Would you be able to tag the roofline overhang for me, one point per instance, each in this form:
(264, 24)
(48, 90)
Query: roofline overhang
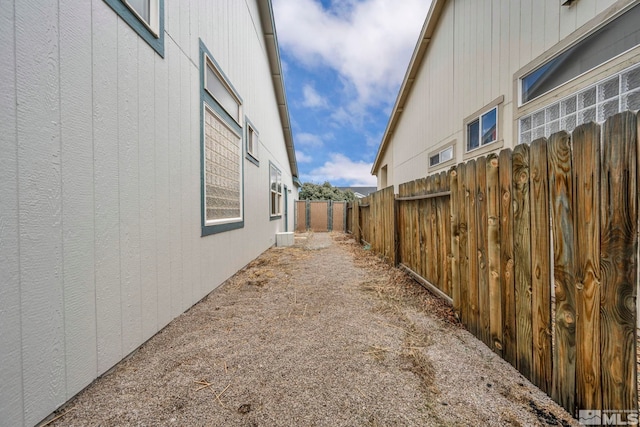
(273, 53)
(430, 24)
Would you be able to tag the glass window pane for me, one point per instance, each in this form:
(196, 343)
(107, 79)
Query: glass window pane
(434, 160)
(525, 124)
(489, 126)
(616, 37)
(221, 94)
(446, 154)
(537, 119)
(568, 123)
(552, 113)
(587, 98)
(607, 109)
(473, 135)
(568, 106)
(142, 8)
(608, 89)
(631, 80)
(631, 101)
(552, 127)
(525, 138)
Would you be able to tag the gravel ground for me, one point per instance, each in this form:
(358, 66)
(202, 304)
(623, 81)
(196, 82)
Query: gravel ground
(319, 334)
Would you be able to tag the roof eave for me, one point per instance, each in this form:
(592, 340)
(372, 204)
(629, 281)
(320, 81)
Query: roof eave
(414, 65)
(271, 43)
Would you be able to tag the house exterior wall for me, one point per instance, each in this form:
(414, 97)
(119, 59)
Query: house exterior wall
(479, 50)
(100, 181)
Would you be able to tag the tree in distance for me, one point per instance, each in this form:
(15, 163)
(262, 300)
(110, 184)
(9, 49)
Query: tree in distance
(325, 191)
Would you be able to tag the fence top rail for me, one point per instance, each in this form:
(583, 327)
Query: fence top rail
(365, 205)
(424, 196)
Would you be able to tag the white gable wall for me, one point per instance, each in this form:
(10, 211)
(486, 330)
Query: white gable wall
(100, 223)
(475, 56)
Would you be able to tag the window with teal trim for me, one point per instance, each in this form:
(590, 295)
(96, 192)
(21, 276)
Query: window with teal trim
(145, 17)
(275, 188)
(221, 150)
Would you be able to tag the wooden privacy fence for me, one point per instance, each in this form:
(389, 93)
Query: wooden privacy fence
(320, 215)
(539, 258)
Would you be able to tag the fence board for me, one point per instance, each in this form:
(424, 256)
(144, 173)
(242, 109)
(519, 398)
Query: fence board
(493, 254)
(586, 193)
(301, 215)
(463, 263)
(562, 214)
(541, 265)
(509, 344)
(522, 258)
(472, 249)
(338, 216)
(444, 232)
(481, 230)
(455, 241)
(618, 262)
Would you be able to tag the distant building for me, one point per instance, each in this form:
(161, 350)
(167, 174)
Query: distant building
(360, 192)
(487, 75)
(145, 157)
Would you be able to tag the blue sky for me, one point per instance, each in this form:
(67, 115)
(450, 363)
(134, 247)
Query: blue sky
(343, 61)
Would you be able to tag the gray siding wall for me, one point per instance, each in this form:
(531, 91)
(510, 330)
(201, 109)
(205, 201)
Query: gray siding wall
(473, 58)
(100, 241)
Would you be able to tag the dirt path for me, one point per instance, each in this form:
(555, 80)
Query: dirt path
(320, 334)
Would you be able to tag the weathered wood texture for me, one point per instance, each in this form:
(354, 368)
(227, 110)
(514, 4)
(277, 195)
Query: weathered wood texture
(618, 262)
(424, 230)
(509, 227)
(586, 202)
(301, 215)
(562, 215)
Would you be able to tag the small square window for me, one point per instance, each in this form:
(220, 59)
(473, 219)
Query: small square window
(275, 187)
(252, 142)
(441, 157)
(473, 135)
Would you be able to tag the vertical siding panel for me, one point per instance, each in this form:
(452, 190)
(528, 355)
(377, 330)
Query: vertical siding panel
(585, 10)
(186, 185)
(551, 24)
(162, 215)
(173, 60)
(128, 146)
(172, 21)
(497, 57)
(148, 207)
(567, 21)
(40, 207)
(107, 223)
(194, 217)
(514, 35)
(10, 355)
(503, 57)
(537, 33)
(77, 193)
(525, 32)
(184, 27)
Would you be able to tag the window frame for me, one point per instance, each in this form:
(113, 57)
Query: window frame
(491, 146)
(151, 32)
(208, 102)
(252, 154)
(277, 192)
(438, 152)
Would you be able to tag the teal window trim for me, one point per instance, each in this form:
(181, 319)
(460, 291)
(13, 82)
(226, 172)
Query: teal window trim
(156, 42)
(209, 101)
(278, 216)
(252, 157)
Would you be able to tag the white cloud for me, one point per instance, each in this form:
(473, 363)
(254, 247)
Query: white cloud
(308, 140)
(303, 158)
(341, 170)
(369, 43)
(312, 98)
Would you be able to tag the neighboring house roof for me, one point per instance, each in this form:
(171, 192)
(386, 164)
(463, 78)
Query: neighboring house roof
(419, 52)
(362, 191)
(273, 53)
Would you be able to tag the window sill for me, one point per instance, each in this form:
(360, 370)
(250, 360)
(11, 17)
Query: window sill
(252, 159)
(208, 230)
(275, 217)
(489, 148)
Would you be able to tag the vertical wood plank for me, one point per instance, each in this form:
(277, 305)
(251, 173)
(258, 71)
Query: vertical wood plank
(39, 188)
(540, 266)
(562, 214)
(455, 242)
(463, 226)
(483, 267)
(10, 355)
(444, 219)
(509, 337)
(77, 157)
(618, 262)
(129, 184)
(522, 259)
(472, 248)
(586, 193)
(493, 254)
